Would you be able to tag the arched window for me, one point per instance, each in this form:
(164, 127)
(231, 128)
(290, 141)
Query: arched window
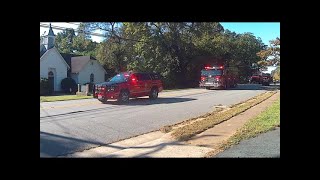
(91, 78)
(51, 81)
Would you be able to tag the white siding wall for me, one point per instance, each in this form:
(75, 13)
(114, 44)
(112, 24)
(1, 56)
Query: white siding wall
(75, 77)
(53, 60)
(96, 69)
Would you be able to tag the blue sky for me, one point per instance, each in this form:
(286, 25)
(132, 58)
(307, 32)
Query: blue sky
(266, 31)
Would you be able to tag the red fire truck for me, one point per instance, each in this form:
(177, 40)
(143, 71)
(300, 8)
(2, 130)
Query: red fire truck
(218, 77)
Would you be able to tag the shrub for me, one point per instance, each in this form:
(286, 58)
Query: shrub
(68, 83)
(44, 86)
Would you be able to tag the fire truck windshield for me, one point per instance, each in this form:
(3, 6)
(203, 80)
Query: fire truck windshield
(212, 72)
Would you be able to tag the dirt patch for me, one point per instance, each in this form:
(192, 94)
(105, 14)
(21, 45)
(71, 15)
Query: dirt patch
(166, 129)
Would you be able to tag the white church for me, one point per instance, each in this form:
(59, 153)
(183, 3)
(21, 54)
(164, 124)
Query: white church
(56, 66)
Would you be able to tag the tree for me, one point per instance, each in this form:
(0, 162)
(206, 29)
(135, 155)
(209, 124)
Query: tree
(112, 54)
(69, 42)
(276, 73)
(64, 40)
(172, 49)
(83, 46)
(245, 52)
(83, 30)
(271, 55)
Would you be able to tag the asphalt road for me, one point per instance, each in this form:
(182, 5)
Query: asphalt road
(266, 145)
(70, 126)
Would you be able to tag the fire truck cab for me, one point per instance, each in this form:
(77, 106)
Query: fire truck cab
(218, 77)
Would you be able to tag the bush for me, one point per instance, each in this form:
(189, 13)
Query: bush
(44, 86)
(68, 83)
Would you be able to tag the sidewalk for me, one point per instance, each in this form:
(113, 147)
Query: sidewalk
(266, 145)
(162, 145)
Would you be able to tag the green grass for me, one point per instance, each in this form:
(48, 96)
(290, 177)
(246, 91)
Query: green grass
(266, 121)
(62, 98)
(187, 131)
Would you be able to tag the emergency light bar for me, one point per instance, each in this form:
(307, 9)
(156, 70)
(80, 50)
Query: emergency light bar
(213, 67)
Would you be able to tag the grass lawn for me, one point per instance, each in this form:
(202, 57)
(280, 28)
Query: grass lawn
(266, 121)
(187, 131)
(62, 98)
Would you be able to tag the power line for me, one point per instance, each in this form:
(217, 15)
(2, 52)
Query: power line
(64, 28)
(73, 23)
(88, 33)
(80, 23)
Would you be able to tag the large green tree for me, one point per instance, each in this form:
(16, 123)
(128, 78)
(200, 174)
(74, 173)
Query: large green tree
(177, 50)
(245, 52)
(68, 42)
(64, 40)
(271, 55)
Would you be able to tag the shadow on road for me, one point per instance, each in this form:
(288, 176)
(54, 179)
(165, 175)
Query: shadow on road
(133, 102)
(52, 145)
(147, 101)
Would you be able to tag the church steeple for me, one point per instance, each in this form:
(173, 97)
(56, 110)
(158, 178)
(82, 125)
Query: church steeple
(49, 39)
(50, 31)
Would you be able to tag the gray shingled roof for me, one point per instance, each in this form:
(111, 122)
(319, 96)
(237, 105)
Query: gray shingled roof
(78, 63)
(42, 49)
(67, 57)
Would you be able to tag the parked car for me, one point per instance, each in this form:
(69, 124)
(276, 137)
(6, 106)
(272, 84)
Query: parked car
(129, 85)
(255, 79)
(266, 79)
(261, 78)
